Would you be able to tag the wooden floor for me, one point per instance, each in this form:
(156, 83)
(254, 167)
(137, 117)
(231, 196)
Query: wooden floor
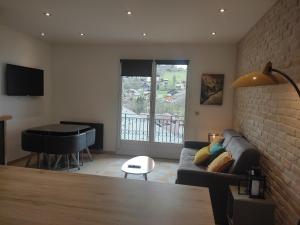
(108, 164)
(41, 197)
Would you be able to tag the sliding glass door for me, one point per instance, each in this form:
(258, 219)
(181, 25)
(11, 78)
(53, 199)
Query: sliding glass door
(153, 95)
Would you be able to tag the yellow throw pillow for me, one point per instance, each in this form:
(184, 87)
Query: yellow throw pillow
(221, 163)
(201, 155)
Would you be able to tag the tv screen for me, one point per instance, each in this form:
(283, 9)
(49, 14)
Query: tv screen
(21, 81)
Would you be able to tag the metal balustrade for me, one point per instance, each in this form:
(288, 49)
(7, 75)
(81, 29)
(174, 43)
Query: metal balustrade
(167, 129)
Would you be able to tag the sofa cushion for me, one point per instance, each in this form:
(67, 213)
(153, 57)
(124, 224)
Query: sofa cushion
(228, 134)
(244, 154)
(195, 144)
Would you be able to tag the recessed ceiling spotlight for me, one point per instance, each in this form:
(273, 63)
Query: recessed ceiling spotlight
(128, 12)
(213, 33)
(82, 34)
(144, 34)
(43, 34)
(47, 14)
(222, 10)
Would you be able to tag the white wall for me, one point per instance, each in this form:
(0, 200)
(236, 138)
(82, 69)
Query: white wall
(20, 49)
(86, 84)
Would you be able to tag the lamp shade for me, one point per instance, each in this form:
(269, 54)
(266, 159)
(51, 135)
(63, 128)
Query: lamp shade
(258, 79)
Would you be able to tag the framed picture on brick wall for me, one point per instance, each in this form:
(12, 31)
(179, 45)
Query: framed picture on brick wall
(212, 88)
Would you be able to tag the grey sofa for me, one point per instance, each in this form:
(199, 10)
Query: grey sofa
(245, 156)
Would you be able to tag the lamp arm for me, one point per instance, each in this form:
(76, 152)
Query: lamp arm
(289, 79)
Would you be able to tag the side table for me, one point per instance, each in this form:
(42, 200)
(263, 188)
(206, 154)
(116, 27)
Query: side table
(242, 210)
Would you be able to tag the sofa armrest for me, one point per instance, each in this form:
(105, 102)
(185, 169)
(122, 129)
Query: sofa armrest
(195, 144)
(220, 179)
(207, 179)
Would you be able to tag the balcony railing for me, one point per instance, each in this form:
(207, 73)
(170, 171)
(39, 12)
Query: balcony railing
(167, 129)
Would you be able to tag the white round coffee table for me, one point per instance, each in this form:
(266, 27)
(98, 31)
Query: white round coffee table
(140, 165)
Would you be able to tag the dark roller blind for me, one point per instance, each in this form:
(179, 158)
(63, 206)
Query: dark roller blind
(172, 62)
(136, 67)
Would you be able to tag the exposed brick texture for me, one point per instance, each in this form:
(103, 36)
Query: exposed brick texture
(269, 116)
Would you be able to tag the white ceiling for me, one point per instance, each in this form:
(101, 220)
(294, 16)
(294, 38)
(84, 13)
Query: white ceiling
(105, 21)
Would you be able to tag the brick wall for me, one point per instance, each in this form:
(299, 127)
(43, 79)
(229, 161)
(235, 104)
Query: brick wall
(270, 116)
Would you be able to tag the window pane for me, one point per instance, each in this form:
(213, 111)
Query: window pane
(170, 103)
(135, 108)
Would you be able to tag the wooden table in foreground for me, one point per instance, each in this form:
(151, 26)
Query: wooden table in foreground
(40, 197)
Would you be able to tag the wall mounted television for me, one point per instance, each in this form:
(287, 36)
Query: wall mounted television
(23, 81)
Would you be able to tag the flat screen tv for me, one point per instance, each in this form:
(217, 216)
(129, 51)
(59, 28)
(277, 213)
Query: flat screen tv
(22, 81)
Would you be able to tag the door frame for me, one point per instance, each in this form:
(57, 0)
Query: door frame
(150, 147)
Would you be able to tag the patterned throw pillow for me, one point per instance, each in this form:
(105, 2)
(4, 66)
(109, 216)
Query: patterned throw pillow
(221, 163)
(215, 148)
